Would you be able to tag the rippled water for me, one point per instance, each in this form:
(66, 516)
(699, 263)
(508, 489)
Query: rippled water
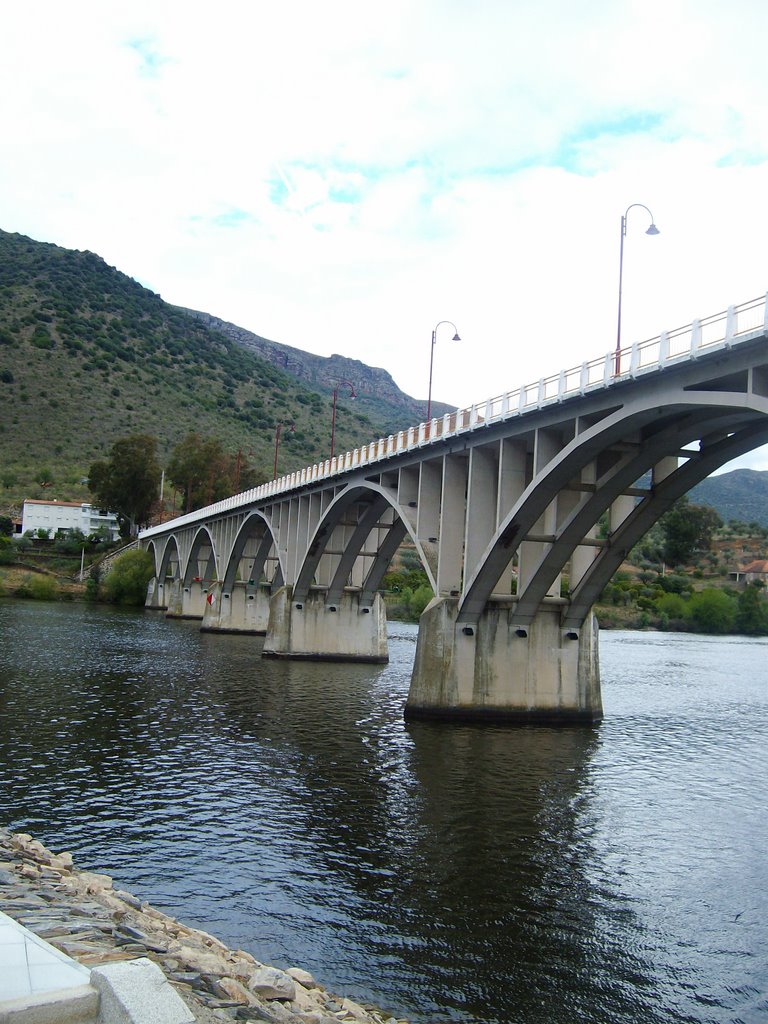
(606, 875)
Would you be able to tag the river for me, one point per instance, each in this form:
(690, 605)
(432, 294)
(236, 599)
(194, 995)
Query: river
(607, 875)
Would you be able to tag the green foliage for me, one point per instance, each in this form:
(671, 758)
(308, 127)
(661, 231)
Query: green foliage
(38, 588)
(712, 611)
(686, 529)
(7, 551)
(6, 526)
(128, 483)
(751, 613)
(203, 472)
(118, 361)
(673, 606)
(127, 582)
(419, 599)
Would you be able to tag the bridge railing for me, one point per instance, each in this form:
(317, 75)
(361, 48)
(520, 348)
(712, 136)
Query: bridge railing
(718, 331)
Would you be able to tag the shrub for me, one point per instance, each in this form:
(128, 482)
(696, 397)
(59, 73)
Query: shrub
(419, 600)
(712, 611)
(672, 605)
(39, 588)
(127, 582)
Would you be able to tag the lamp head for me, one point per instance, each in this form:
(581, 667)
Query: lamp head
(456, 337)
(652, 230)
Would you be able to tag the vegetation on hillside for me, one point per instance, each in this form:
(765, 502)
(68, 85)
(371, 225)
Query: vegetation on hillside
(87, 355)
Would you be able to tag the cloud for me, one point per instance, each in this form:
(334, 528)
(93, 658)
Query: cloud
(341, 179)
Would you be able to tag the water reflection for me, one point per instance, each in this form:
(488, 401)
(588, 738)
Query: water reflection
(471, 873)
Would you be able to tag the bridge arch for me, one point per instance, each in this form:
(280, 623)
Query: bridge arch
(202, 559)
(649, 434)
(374, 504)
(254, 545)
(170, 560)
(651, 508)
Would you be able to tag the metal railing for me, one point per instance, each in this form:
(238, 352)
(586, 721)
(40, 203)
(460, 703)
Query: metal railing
(719, 331)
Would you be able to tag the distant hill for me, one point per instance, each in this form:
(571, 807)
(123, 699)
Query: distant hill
(741, 495)
(384, 402)
(88, 355)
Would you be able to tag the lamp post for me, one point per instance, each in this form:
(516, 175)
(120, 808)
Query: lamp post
(278, 431)
(339, 384)
(432, 359)
(652, 230)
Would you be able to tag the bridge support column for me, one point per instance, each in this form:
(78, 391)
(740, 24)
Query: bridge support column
(497, 671)
(237, 609)
(156, 598)
(173, 595)
(316, 631)
(186, 600)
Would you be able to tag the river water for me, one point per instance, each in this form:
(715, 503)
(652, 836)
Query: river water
(448, 873)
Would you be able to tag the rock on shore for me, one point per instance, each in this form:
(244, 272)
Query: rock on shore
(83, 915)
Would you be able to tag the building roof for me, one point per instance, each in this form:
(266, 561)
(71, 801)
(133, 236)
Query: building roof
(53, 501)
(759, 565)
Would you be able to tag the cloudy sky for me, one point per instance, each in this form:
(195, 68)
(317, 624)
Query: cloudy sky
(341, 176)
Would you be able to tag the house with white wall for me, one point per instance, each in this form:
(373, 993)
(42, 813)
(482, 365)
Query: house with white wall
(66, 516)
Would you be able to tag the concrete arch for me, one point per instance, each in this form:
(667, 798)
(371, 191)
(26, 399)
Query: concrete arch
(258, 528)
(152, 550)
(376, 501)
(202, 560)
(665, 427)
(651, 508)
(171, 557)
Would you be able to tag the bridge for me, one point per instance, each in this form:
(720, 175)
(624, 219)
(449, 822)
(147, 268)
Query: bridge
(503, 502)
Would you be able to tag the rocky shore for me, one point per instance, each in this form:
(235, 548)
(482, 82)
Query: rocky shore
(85, 916)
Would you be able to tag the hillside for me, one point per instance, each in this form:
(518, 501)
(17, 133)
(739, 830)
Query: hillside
(384, 402)
(741, 495)
(88, 355)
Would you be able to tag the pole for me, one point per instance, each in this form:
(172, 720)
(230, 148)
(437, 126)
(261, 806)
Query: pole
(651, 230)
(333, 420)
(431, 361)
(617, 357)
(277, 443)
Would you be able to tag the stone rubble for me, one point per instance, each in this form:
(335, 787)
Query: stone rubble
(83, 915)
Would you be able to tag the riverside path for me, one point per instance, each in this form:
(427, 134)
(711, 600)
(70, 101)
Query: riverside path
(502, 501)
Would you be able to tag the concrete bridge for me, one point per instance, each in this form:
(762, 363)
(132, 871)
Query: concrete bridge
(502, 501)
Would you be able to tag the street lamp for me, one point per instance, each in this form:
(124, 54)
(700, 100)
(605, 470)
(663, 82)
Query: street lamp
(278, 431)
(339, 384)
(652, 230)
(432, 358)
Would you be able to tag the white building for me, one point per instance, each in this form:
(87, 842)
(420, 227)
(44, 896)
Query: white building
(66, 516)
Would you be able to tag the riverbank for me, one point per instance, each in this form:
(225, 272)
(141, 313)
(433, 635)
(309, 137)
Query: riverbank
(85, 916)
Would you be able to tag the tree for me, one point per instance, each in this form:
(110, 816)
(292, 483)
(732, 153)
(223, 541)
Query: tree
(751, 614)
(129, 481)
(712, 611)
(686, 529)
(127, 581)
(203, 472)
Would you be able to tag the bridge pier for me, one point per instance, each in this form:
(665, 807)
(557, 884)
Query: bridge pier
(186, 600)
(242, 608)
(315, 630)
(496, 670)
(156, 598)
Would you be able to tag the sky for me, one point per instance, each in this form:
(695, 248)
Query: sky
(344, 176)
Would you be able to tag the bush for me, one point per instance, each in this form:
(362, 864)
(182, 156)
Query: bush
(712, 611)
(7, 551)
(128, 580)
(672, 605)
(39, 588)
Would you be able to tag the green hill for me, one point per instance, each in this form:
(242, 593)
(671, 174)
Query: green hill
(87, 355)
(740, 495)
